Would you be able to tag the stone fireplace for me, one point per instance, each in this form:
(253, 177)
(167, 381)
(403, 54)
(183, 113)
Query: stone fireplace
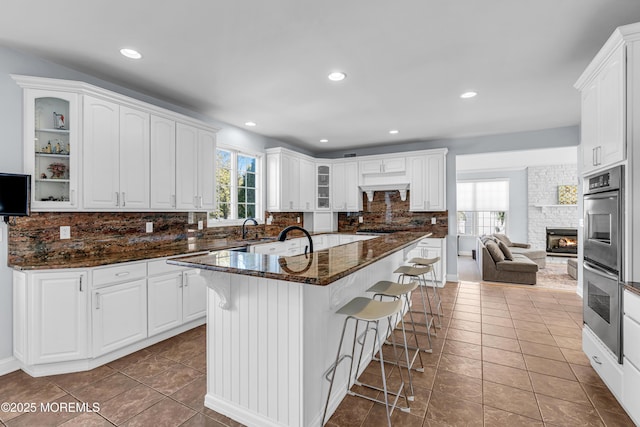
(562, 241)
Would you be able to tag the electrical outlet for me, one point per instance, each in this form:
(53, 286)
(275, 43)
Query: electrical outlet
(360, 219)
(65, 232)
(433, 220)
(298, 220)
(200, 225)
(149, 227)
(269, 219)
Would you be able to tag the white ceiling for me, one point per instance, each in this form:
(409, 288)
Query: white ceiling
(267, 61)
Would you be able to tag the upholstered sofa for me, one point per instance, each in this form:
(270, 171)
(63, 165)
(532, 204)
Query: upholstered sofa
(498, 264)
(539, 256)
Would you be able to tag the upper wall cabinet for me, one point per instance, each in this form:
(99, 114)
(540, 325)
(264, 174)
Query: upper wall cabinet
(603, 92)
(346, 194)
(127, 159)
(51, 149)
(290, 181)
(195, 170)
(323, 186)
(389, 165)
(116, 156)
(163, 163)
(427, 189)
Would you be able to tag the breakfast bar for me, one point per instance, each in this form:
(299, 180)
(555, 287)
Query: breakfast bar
(272, 330)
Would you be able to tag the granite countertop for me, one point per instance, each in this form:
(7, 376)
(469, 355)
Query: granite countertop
(158, 251)
(633, 287)
(320, 268)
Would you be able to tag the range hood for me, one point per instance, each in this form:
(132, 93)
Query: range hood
(401, 187)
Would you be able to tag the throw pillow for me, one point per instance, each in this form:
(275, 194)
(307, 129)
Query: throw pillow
(503, 238)
(494, 251)
(505, 250)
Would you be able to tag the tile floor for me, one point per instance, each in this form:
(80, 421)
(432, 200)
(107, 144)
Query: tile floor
(506, 356)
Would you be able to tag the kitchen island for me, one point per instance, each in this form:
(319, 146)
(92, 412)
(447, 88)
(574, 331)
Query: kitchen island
(272, 331)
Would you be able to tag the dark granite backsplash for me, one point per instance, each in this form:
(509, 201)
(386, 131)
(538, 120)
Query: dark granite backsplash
(105, 236)
(387, 212)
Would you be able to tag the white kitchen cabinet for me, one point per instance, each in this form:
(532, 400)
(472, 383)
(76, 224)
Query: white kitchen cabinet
(50, 316)
(163, 163)
(387, 165)
(51, 150)
(603, 91)
(116, 156)
(175, 298)
(323, 186)
(101, 157)
(631, 390)
(119, 315)
(603, 361)
(195, 168)
(307, 185)
(134, 158)
(631, 349)
(290, 181)
(428, 182)
(194, 295)
(164, 295)
(346, 194)
(433, 248)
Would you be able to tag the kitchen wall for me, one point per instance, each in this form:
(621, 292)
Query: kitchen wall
(99, 238)
(11, 145)
(387, 212)
(548, 138)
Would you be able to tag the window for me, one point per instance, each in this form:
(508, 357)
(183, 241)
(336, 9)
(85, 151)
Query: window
(483, 207)
(237, 186)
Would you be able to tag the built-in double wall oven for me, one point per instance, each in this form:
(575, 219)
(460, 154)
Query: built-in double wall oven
(603, 250)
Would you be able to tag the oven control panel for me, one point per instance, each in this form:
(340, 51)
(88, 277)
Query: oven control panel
(604, 181)
(599, 181)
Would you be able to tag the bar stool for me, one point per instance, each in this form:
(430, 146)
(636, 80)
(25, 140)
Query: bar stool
(370, 311)
(399, 291)
(430, 262)
(419, 274)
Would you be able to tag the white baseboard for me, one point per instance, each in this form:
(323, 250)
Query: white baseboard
(9, 364)
(452, 278)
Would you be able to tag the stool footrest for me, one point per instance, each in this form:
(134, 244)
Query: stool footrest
(335, 366)
(393, 405)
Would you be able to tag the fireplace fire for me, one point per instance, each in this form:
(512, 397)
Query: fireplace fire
(562, 241)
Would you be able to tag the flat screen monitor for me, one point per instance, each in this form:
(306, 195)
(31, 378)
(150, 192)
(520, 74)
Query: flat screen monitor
(14, 194)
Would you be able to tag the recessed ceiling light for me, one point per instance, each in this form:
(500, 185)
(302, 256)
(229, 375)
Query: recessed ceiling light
(469, 94)
(131, 53)
(324, 140)
(336, 76)
(250, 124)
(394, 131)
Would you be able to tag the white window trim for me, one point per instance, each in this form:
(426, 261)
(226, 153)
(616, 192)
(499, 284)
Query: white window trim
(260, 191)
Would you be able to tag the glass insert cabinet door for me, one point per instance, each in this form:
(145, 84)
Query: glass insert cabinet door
(51, 121)
(323, 185)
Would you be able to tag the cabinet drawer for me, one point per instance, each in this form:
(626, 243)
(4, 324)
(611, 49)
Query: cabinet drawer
(160, 266)
(603, 361)
(631, 340)
(631, 304)
(119, 273)
(631, 390)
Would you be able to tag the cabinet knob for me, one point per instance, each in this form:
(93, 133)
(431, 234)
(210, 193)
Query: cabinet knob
(117, 199)
(173, 200)
(124, 200)
(97, 300)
